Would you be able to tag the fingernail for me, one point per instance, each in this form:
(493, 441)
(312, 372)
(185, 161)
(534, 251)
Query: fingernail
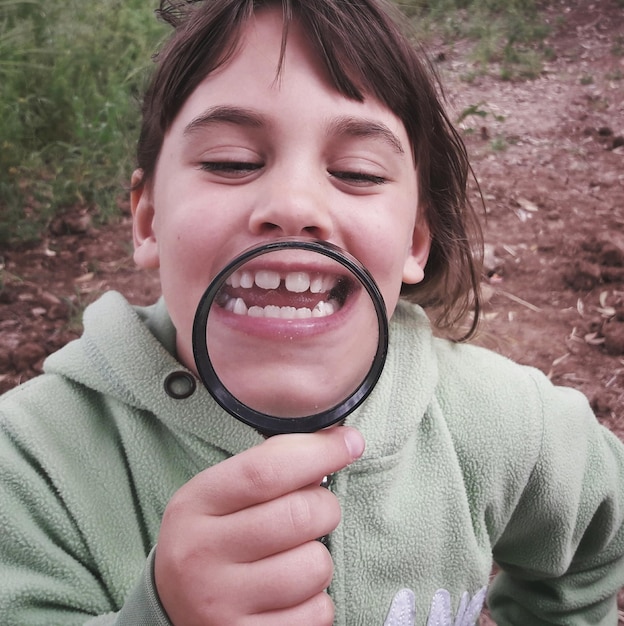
(354, 441)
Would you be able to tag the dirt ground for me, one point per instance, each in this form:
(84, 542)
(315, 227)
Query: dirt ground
(549, 157)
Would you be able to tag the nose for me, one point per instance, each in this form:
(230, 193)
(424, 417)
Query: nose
(294, 208)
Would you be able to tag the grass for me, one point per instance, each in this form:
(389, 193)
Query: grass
(506, 33)
(72, 72)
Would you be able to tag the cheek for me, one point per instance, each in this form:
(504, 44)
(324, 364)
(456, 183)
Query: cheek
(185, 265)
(383, 254)
(187, 240)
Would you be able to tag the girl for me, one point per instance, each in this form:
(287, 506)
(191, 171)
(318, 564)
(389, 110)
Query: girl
(129, 497)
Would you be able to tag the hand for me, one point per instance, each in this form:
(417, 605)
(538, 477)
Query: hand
(237, 543)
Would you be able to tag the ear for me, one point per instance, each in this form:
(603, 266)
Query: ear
(143, 235)
(417, 254)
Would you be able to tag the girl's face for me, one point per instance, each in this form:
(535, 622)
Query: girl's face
(252, 157)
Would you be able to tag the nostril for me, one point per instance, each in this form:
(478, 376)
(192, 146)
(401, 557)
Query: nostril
(291, 219)
(312, 230)
(270, 227)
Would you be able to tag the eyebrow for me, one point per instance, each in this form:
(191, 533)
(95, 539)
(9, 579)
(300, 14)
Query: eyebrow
(342, 126)
(225, 115)
(356, 127)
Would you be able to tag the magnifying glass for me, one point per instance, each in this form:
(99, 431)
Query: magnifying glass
(291, 336)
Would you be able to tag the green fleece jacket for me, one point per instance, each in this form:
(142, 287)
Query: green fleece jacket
(470, 459)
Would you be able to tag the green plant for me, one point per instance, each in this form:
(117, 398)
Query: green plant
(479, 109)
(507, 33)
(499, 144)
(71, 72)
(76, 305)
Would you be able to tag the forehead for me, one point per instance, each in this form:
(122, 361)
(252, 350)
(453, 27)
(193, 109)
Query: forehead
(265, 80)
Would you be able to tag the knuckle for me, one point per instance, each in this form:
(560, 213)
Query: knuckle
(260, 477)
(325, 510)
(299, 512)
(332, 507)
(323, 609)
(319, 564)
(328, 565)
(176, 506)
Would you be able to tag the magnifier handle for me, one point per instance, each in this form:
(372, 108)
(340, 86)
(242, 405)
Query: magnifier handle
(326, 482)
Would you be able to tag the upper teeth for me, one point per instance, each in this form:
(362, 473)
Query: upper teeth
(296, 282)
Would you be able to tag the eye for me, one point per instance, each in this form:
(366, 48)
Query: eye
(231, 169)
(358, 178)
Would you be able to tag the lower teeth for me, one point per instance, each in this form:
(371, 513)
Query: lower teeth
(238, 307)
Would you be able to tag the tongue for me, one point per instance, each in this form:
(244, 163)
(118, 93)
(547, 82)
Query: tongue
(280, 297)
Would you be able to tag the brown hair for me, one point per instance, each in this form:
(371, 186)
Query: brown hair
(366, 52)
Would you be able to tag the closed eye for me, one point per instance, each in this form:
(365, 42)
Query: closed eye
(358, 178)
(231, 169)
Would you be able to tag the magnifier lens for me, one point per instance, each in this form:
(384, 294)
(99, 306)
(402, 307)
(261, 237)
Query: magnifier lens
(291, 336)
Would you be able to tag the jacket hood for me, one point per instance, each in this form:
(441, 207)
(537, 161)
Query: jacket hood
(127, 354)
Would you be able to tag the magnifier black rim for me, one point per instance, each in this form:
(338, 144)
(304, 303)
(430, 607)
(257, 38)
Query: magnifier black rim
(270, 424)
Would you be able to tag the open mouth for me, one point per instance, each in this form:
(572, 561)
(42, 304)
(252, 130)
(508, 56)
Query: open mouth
(291, 295)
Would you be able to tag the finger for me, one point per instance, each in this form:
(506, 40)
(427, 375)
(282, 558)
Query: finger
(278, 525)
(280, 465)
(318, 610)
(284, 580)
(279, 582)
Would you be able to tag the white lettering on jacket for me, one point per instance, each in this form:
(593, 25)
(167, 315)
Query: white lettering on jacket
(403, 609)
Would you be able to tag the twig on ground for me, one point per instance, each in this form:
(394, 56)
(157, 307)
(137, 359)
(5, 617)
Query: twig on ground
(518, 300)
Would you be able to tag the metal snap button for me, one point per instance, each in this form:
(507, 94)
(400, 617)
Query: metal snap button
(180, 385)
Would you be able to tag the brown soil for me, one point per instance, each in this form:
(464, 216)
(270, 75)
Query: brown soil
(549, 156)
